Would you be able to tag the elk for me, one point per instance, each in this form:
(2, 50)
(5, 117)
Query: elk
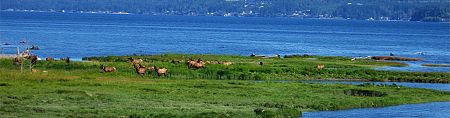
(17, 60)
(108, 68)
(140, 69)
(49, 59)
(320, 66)
(226, 63)
(26, 54)
(33, 70)
(33, 59)
(152, 68)
(162, 71)
(135, 61)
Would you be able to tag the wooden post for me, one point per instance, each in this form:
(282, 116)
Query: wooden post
(31, 62)
(21, 59)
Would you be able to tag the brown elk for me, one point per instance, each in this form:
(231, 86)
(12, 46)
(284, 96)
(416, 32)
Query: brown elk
(196, 64)
(320, 66)
(141, 70)
(162, 71)
(33, 70)
(49, 59)
(33, 59)
(152, 68)
(226, 63)
(26, 54)
(135, 61)
(108, 68)
(17, 61)
(190, 63)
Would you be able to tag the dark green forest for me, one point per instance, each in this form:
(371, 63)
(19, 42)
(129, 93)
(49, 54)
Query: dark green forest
(414, 10)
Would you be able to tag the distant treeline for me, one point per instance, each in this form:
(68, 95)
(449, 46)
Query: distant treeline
(414, 10)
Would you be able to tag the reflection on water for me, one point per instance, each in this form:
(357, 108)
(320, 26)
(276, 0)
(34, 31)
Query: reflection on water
(427, 110)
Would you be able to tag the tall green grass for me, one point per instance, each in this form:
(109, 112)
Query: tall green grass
(81, 89)
(293, 68)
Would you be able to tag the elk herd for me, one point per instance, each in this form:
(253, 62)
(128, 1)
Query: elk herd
(137, 64)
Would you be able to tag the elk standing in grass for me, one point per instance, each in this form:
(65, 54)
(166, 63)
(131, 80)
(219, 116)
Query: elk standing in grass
(320, 66)
(17, 60)
(33, 59)
(49, 59)
(108, 69)
(135, 61)
(151, 69)
(141, 70)
(162, 71)
(226, 63)
(33, 70)
(196, 64)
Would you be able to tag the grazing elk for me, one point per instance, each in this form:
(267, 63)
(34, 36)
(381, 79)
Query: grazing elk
(226, 63)
(135, 61)
(33, 70)
(108, 69)
(320, 66)
(17, 60)
(162, 71)
(33, 59)
(141, 70)
(151, 69)
(49, 59)
(25, 54)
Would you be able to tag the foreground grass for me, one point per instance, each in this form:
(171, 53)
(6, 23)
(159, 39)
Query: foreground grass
(112, 97)
(80, 89)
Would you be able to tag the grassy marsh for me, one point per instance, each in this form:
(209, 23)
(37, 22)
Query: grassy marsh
(81, 89)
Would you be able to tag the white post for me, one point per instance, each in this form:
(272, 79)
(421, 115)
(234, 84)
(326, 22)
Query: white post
(21, 59)
(31, 61)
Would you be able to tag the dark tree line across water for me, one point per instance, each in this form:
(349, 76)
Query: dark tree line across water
(414, 10)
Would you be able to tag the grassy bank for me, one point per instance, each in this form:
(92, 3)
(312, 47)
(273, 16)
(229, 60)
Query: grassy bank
(81, 89)
(293, 68)
(112, 97)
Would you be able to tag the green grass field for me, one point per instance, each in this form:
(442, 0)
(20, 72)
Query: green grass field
(81, 89)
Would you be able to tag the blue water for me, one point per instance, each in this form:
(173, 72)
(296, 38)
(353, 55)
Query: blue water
(434, 86)
(426, 110)
(80, 35)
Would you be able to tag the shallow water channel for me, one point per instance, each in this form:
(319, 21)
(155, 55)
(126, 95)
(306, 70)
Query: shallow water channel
(425, 110)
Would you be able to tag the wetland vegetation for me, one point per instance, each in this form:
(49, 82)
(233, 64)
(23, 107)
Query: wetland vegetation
(83, 89)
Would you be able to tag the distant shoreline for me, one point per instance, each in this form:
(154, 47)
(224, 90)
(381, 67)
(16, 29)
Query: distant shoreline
(126, 13)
